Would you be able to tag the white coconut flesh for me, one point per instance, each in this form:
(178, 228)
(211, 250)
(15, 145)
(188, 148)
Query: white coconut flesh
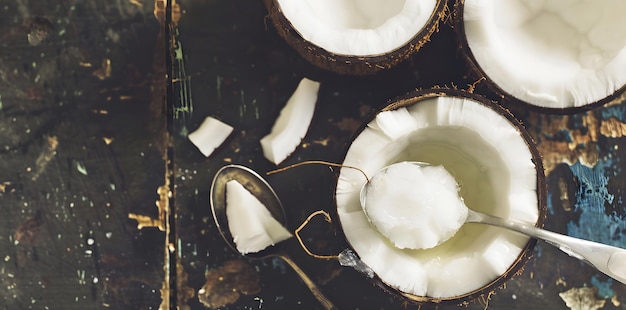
(415, 207)
(358, 27)
(210, 135)
(494, 169)
(250, 223)
(292, 123)
(555, 54)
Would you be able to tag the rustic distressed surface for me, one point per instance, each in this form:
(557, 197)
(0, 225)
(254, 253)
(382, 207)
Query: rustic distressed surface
(242, 72)
(80, 151)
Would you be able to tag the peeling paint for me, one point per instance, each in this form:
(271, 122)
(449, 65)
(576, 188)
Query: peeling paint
(46, 156)
(81, 168)
(224, 285)
(613, 128)
(574, 139)
(583, 298)
(594, 222)
(603, 286)
(558, 144)
(279, 264)
(614, 111)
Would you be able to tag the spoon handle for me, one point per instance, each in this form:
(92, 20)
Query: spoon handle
(606, 258)
(328, 305)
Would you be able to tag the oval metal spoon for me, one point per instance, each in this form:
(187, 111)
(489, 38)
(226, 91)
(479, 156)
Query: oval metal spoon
(256, 185)
(608, 259)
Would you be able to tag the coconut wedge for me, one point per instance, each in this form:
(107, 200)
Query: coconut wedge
(292, 123)
(210, 135)
(497, 167)
(250, 222)
(356, 37)
(561, 55)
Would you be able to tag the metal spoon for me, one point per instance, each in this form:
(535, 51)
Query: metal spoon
(256, 185)
(608, 259)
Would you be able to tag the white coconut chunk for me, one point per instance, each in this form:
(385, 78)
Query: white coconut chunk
(415, 207)
(292, 123)
(249, 221)
(499, 253)
(406, 273)
(358, 27)
(448, 277)
(210, 135)
(555, 54)
(394, 123)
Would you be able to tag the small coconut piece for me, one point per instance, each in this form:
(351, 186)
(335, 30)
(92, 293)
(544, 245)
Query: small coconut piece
(560, 55)
(210, 135)
(250, 222)
(416, 207)
(356, 37)
(292, 123)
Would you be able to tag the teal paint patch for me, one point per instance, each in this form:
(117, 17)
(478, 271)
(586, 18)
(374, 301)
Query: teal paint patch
(549, 204)
(538, 250)
(593, 190)
(279, 264)
(561, 135)
(614, 111)
(604, 287)
(578, 121)
(593, 197)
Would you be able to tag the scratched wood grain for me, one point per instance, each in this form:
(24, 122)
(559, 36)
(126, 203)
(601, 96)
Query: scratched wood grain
(77, 155)
(79, 152)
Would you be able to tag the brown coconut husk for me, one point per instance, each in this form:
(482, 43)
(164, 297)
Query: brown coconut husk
(350, 64)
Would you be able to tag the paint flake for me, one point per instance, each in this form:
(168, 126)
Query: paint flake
(583, 298)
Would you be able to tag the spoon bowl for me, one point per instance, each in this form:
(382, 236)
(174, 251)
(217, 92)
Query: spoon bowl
(608, 259)
(258, 187)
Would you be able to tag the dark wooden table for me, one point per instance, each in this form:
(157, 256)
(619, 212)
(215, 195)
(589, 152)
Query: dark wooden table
(86, 143)
(78, 155)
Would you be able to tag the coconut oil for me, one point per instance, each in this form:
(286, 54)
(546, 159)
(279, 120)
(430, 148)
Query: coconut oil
(476, 166)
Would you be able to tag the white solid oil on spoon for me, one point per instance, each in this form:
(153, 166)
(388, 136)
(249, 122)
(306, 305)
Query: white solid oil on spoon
(417, 206)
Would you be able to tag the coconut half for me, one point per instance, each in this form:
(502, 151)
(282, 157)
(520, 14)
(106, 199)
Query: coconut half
(561, 55)
(497, 167)
(356, 37)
